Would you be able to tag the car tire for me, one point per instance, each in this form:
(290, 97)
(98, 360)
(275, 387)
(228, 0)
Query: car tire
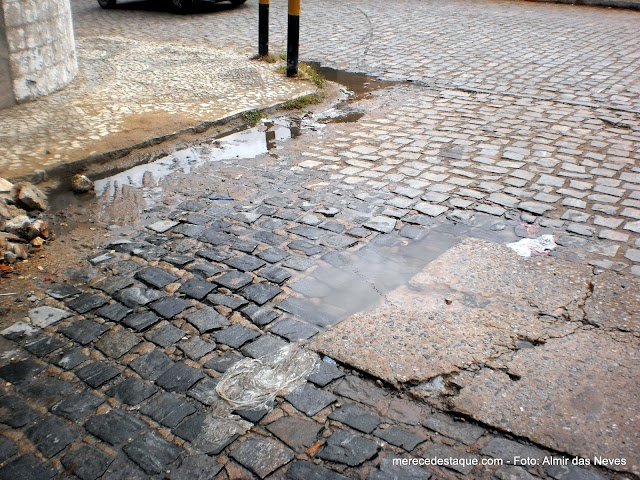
(237, 2)
(181, 6)
(107, 3)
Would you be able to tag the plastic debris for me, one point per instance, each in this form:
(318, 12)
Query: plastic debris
(252, 383)
(528, 247)
(350, 93)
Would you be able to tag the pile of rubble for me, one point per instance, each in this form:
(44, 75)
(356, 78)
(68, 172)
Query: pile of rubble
(21, 228)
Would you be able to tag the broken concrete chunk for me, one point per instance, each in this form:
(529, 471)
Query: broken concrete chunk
(29, 196)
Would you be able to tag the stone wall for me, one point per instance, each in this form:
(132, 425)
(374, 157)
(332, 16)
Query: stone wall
(37, 46)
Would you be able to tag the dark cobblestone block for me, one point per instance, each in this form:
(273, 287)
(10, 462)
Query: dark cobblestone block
(115, 427)
(304, 309)
(150, 252)
(269, 238)
(15, 413)
(44, 345)
(190, 231)
(256, 414)
(570, 472)
(191, 206)
(298, 263)
(262, 455)
(124, 267)
(464, 432)
(111, 285)
(245, 263)
(305, 247)
(116, 344)
(178, 260)
(205, 391)
(50, 435)
(301, 470)
(444, 451)
(214, 254)
(78, 406)
(132, 391)
(207, 319)
(338, 241)
(204, 270)
(296, 432)
(45, 390)
(27, 467)
(114, 312)
(97, 373)
(359, 232)
(86, 463)
(273, 255)
(348, 449)
(195, 348)
(196, 467)
(84, 331)
(245, 246)
(274, 274)
(293, 330)
(190, 427)
(216, 238)
(140, 321)
(165, 336)
(223, 362)
(260, 316)
(325, 374)
(265, 345)
(134, 297)
(179, 378)
(21, 371)
(233, 302)
(389, 471)
(356, 417)
(152, 453)
(170, 307)
(86, 302)
(334, 227)
(312, 233)
(400, 437)
(509, 472)
(310, 400)
(151, 365)
(62, 290)
(260, 293)
(236, 336)
(167, 409)
(7, 449)
(122, 468)
(233, 280)
(359, 390)
(507, 450)
(196, 288)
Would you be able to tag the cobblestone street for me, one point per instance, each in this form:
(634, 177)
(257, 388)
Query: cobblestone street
(372, 234)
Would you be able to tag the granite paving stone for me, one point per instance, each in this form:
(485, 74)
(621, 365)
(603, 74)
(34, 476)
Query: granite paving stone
(356, 417)
(507, 450)
(312, 233)
(264, 345)
(116, 344)
(134, 297)
(86, 302)
(262, 455)
(204, 270)
(274, 274)
(78, 406)
(235, 336)
(7, 449)
(196, 288)
(359, 390)
(87, 462)
(165, 335)
(245, 263)
(346, 448)
(297, 262)
(178, 260)
(254, 415)
(132, 391)
(152, 453)
(400, 437)
(445, 451)
(260, 292)
(390, 471)
(84, 331)
(190, 428)
(305, 247)
(44, 316)
(167, 409)
(195, 348)
(381, 224)
(297, 433)
(196, 467)
(325, 373)
(21, 371)
(309, 399)
(233, 280)
(573, 472)
(510, 472)
(141, 321)
(114, 312)
(430, 209)
(26, 467)
(62, 290)
(46, 391)
(97, 373)
(302, 308)
(223, 362)
(115, 427)
(464, 432)
(205, 391)
(293, 330)
(50, 435)
(124, 267)
(70, 358)
(44, 345)
(179, 378)
(15, 413)
(207, 319)
(260, 316)
(214, 254)
(162, 226)
(303, 470)
(273, 255)
(170, 307)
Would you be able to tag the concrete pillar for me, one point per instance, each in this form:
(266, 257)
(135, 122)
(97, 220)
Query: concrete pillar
(37, 49)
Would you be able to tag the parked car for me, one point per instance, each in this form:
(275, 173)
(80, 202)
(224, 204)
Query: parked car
(178, 6)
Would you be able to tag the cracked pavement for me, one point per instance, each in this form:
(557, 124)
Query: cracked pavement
(379, 243)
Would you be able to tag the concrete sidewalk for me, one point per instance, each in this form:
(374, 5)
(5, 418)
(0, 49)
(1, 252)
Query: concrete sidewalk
(130, 92)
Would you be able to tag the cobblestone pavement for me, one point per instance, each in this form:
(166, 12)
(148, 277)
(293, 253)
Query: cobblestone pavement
(115, 377)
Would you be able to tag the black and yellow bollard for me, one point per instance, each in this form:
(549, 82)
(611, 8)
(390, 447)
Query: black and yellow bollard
(293, 38)
(263, 28)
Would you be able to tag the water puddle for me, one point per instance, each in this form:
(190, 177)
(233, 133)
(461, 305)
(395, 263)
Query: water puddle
(357, 83)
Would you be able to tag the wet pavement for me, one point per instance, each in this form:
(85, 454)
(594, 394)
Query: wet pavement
(372, 233)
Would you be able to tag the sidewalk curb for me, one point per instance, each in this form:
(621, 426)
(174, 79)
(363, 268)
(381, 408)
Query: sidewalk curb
(64, 171)
(596, 3)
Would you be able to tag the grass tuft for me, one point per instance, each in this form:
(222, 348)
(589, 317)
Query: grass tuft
(303, 101)
(252, 117)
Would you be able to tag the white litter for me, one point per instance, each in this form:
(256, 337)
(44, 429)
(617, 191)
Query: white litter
(528, 247)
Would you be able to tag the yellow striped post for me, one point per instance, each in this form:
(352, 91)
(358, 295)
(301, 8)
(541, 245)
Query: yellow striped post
(293, 38)
(263, 28)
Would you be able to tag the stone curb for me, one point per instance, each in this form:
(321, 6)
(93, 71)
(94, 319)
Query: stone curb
(595, 3)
